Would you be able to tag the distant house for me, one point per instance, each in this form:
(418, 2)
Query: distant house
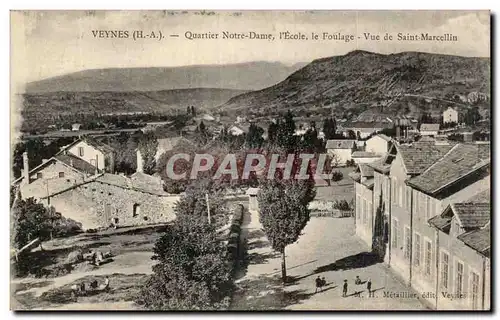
(75, 127)
(253, 203)
(208, 117)
(364, 129)
(429, 129)
(450, 115)
(152, 126)
(164, 145)
(236, 131)
(379, 144)
(96, 153)
(341, 149)
(240, 119)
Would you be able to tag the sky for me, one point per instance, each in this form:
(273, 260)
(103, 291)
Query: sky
(51, 43)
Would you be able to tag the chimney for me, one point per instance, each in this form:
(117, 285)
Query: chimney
(26, 168)
(139, 161)
(96, 164)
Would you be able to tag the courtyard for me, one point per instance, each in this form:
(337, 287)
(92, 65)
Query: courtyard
(328, 248)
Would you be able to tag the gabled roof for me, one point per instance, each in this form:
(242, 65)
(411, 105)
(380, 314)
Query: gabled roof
(79, 165)
(429, 127)
(419, 156)
(472, 215)
(76, 163)
(482, 197)
(340, 144)
(479, 240)
(383, 136)
(364, 154)
(460, 161)
(90, 141)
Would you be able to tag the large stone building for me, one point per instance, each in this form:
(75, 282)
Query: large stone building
(83, 190)
(109, 199)
(416, 183)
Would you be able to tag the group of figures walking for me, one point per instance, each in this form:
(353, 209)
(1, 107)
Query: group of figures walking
(321, 283)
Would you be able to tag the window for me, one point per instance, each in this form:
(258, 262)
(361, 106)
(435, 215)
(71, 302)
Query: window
(401, 193)
(358, 207)
(428, 204)
(80, 151)
(364, 212)
(408, 198)
(459, 278)
(370, 212)
(61, 174)
(415, 202)
(416, 259)
(394, 233)
(474, 290)
(407, 247)
(136, 210)
(39, 175)
(444, 270)
(428, 257)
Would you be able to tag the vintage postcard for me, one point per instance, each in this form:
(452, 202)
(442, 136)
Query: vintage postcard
(250, 160)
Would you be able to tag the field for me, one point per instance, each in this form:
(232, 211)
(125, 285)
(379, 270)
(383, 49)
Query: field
(131, 250)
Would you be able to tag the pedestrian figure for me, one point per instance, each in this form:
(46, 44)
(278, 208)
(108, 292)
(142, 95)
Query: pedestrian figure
(369, 287)
(318, 284)
(323, 282)
(357, 280)
(344, 292)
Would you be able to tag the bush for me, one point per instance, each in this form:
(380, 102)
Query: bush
(342, 205)
(192, 273)
(350, 163)
(337, 176)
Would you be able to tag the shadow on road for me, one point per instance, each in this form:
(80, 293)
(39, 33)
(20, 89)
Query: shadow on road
(359, 260)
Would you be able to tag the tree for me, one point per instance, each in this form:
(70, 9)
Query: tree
(272, 131)
(148, 146)
(285, 213)
(351, 134)
(330, 128)
(33, 220)
(193, 203)
(254, 137)
(192, 271)
(472, 116)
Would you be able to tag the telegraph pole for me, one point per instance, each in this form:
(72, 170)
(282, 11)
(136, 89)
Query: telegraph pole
(208, 208)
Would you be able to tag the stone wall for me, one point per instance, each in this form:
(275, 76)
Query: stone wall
(96, 205)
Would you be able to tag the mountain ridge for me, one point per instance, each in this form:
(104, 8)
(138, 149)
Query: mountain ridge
(361, 81)
(239, 76)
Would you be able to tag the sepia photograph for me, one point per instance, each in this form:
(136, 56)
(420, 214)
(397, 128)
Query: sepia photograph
(216, 160)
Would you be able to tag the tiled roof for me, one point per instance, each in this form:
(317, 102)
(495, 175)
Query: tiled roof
(383, 136)
(472, 215)
(381, 165)
(482, 197)
(366, 171)
(367, 125)
(429, 127)
(442, 222)
(418, 156)
(364, 154)
(90, 141)
(340, 144)
(77, 163)
(457, 163)
(479, 240)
